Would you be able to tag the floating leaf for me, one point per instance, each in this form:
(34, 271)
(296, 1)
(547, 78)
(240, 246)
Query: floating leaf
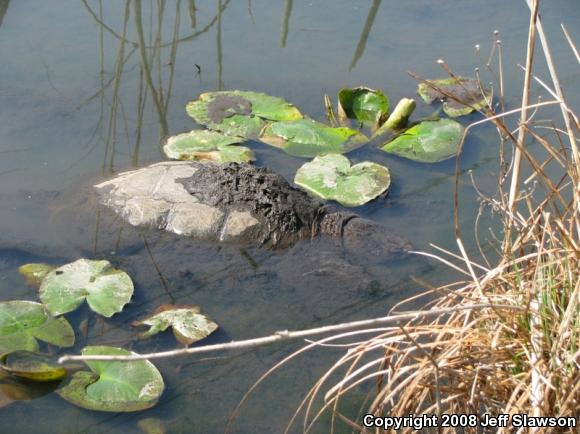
(428, 141)
(363, 104)
(308, 138)
(23, 322)
(240, 113)
(32, 366)
(466, 90)
(34, 273)
(114, 386)
(248, 127)
(332, 177)
(105, 288)
(188, 324)
(264, 106)
(207, 145)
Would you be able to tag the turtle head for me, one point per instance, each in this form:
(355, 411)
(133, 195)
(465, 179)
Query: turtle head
(364, 237)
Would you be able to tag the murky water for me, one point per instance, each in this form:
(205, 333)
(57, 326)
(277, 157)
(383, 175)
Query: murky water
(89, 88)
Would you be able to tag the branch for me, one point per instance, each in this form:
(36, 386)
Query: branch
(286, 335)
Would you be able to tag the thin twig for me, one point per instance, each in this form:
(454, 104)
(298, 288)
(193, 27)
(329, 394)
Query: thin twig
(286, 335)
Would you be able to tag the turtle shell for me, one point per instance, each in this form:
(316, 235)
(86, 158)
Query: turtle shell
(232, 202)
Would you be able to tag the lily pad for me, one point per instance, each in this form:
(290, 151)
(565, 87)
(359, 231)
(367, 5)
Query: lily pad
(105, 288)
(207, 145)
(464, 89)
(240, 113)
(248, 127)
(114, 386)
(34, 273)
(308, 138)
(332, 177)
(32, 366)
(188, 324)
(428, 141)
(363, 104)
(23, 322)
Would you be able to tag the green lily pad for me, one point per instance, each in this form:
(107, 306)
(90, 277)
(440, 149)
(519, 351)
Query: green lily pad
(308, 138)
(332, 177)
(428, 141)
(262, 105)
(466, 90)
(105, 288)
(240, 113)
(248, 127)
(114, 386)
(32, 366)
(188, 324)
(363, 104)
(34, 273)
(207, 145)
(23, 322)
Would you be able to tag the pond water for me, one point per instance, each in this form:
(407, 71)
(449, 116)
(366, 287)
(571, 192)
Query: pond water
(90, 88)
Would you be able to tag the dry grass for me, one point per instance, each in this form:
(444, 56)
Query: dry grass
(524, 359)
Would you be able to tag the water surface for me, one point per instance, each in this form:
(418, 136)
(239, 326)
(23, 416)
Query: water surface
(90, 88)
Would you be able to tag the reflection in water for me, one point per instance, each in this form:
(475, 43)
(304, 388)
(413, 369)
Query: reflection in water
(146, 63)
(13, 389)
(220, 81)
(285, 22)
(156, 76)
(156, 66)
(3, 8)
(192, 13)
(362, 43)
(360, 48)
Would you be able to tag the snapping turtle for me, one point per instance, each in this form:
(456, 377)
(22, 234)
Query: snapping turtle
(317, 261)
(236, 203)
